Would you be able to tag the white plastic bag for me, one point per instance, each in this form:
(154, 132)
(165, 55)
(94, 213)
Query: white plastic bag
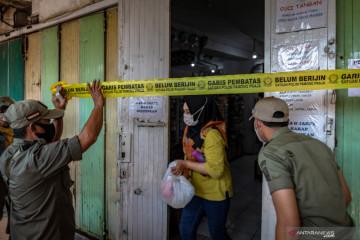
(177, 191)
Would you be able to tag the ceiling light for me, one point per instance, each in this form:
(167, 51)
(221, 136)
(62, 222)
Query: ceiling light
(254, 54)
(192, 64)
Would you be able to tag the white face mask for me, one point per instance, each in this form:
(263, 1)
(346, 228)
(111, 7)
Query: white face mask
(189, 119)
(257, 134)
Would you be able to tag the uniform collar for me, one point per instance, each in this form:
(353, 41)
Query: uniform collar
(20, 142)
(279, 132)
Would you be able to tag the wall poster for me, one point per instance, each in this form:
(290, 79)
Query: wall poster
(146, 107)
(306, 112)
(354, 64)
(299, 57)
(297, 15)
(307, 108)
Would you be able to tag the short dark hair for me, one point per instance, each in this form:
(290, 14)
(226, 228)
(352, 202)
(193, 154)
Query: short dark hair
(277, 114)
(275, 124)
(20, 132)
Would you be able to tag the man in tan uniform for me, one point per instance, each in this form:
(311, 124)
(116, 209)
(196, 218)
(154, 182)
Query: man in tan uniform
(307, 187)
(37, 169)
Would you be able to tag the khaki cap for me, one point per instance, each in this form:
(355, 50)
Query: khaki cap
(265, 108)
(22, 113)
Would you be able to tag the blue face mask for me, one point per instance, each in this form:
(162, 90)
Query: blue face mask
(49, 132)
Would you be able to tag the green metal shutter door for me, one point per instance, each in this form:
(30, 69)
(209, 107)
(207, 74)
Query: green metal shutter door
(50, 64)
(16, 70)
(12, 69)
(4, 64)
(92, 166)
(347, 108)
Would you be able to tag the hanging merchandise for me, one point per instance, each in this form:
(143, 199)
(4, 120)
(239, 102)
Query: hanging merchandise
(299, 57)
(177, 126)
(296, 15)
(235, 125)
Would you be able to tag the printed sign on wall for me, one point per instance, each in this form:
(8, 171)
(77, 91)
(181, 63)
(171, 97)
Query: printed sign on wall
(306, 112)
(354, 64)
(299, 57)
(296, 15)
(311, 125)
(146, 107)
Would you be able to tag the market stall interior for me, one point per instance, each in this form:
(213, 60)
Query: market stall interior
(216, 38)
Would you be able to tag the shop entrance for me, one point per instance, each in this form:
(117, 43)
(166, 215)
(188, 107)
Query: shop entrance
(244, 219)
(205, 41)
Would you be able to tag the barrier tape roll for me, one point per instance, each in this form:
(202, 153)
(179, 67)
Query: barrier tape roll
(223, 84)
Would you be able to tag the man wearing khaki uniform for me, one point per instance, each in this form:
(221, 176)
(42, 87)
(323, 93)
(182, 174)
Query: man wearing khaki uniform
(307, 187)
(36, 167)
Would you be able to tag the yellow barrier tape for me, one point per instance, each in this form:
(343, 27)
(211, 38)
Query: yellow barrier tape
(223, 84)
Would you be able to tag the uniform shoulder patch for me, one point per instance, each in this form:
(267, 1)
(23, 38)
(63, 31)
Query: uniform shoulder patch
(264, 170)
(32, 115)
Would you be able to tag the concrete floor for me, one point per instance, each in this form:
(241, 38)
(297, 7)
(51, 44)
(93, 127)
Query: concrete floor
(244, 220)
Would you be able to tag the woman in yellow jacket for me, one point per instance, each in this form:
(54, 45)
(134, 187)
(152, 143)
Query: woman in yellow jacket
(6, 133)
(206, 167)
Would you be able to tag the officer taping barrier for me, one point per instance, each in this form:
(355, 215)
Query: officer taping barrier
(223, 84)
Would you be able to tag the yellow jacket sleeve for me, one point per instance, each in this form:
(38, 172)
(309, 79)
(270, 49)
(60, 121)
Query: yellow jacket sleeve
(214, 150)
